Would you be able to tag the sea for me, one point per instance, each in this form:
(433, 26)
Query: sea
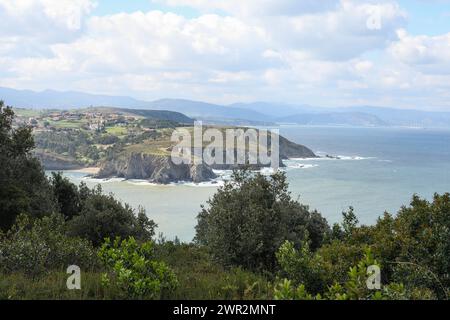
(373, 170)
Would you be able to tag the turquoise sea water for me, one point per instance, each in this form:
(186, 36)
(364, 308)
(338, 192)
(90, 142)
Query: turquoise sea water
(380, 169)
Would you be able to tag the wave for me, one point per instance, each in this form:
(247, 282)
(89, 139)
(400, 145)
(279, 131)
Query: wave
(216, 183)
(300, 166)
(140, 182)
(332, 158)
(101, 181)
(354, 158)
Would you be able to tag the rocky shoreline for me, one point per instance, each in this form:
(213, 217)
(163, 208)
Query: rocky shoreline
(161, 169)
(154, 168)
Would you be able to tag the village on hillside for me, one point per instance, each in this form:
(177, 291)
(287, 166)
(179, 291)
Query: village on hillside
(92, 120)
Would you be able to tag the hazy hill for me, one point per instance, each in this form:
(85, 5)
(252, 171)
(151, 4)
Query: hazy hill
(277, 110)
(409, 118)
(203, 110)
(336, 118)
(161, 115)
(50, 99)
(236, 114)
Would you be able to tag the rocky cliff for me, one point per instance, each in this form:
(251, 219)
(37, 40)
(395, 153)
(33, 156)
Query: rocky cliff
(289, 149)
(155, 168)
(56, 162)
(160, 168)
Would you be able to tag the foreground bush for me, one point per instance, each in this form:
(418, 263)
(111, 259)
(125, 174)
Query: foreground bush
(412, 249)
(249, 218)
(133, 269)
(42, 246)
(353, 288)
(93, 215)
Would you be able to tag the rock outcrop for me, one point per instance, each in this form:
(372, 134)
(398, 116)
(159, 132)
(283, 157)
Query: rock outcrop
(56, 162)
(155, 168)
(289, 149)
(161, 169)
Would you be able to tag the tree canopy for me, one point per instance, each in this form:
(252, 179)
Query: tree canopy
(249, 218)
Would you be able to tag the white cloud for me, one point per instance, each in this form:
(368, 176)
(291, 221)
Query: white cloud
(248, 8)
(46, 19)
(429, 54)
(299, 51)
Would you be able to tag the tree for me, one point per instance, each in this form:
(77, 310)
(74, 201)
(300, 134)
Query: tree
(421, 233)
(67, 195)
(251, 216)
(95, 216)
(102, 216)
(24, 187)
(412, 246)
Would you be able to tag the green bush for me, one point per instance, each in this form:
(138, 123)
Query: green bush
(102, 216)
(303, 266)
(42, 246)
(249, 218)
(413, 246)
(133, 269)
(354, 288)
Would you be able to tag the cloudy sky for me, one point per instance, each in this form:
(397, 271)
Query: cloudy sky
(318, 52)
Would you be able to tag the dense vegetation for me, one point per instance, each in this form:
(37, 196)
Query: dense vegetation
(253, 241)
(87, 147)
(248, 220)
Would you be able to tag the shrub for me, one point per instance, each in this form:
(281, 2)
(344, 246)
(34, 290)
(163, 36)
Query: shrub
(251, 216)
(302, 266)
(354, 288)
(413, 245)
(40, 246)
(133, 269)
(103, 216)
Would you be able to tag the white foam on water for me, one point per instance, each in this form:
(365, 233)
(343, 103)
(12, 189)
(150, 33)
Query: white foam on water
(207, 184)
(333, 158)
(140, 182)
(353, 158)
(101, 181)
(301, 166)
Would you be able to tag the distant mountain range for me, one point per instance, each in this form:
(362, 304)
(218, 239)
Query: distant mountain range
(239, 113)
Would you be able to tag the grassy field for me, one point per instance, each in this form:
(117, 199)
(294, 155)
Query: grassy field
(27, 112)
(117, 131)
(67, 124)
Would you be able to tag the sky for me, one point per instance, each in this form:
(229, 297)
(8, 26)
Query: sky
(325, 53)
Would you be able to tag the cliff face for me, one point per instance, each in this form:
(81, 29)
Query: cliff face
(289, 149)
(56, 163)
(158, 169)
(161, 169)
